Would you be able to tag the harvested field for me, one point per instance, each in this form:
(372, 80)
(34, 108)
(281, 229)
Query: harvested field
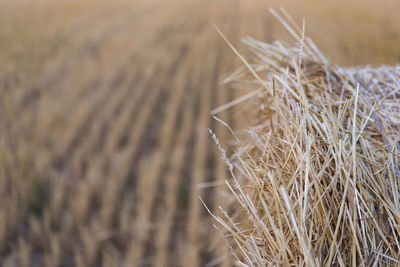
(104, 116)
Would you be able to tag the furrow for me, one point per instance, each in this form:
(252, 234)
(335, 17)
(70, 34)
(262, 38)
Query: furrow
(171, 178)
(201, 145)
(146, 201)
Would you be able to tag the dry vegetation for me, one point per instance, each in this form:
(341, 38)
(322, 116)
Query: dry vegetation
(104, 110)
(316, 173)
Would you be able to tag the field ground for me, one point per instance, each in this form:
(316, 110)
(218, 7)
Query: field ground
(104, 116)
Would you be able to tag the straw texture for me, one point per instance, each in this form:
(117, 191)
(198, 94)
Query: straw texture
(315, 174)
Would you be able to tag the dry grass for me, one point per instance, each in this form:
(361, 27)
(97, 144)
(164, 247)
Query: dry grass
(104, 110)
(316, 173)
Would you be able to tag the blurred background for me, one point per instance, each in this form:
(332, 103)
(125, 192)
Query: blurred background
(104, 116)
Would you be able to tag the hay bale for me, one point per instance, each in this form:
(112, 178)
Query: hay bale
(316, 175)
